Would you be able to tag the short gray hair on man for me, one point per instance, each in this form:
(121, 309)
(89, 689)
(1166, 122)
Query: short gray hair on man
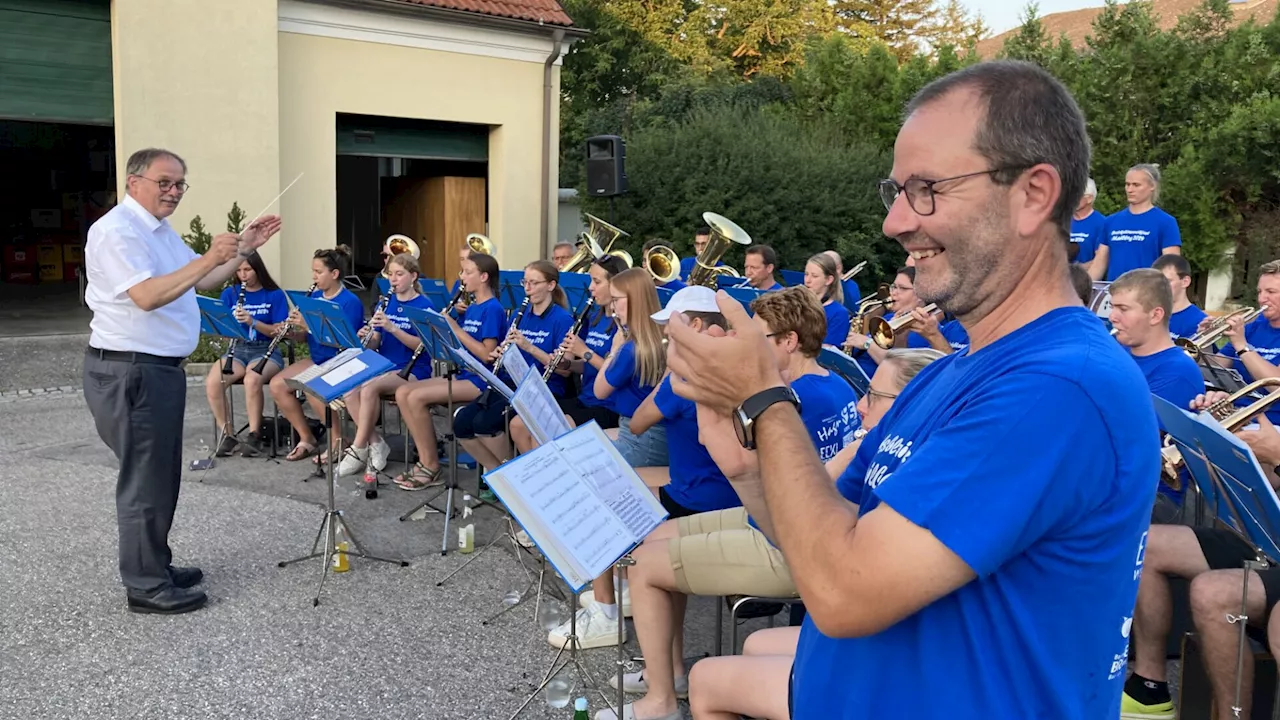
(563, 244)
(1153, 171)
(910, 361)
(1091, 188)
(1031, 118)
(140, 161)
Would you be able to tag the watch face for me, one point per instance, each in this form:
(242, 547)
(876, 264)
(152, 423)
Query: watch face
(740, 425)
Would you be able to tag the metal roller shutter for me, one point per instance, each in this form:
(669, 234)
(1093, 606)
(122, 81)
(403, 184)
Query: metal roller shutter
(55, 61)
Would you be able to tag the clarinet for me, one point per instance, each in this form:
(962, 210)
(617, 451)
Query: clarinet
(515, 325)
(284, 330)
(381, 306)
(558, 357)
(227, 365)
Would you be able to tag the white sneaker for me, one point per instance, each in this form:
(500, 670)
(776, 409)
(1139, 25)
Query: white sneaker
(634, 683)
(588, 598)
(523, 539)
(378, 454)
(353, 461)
(594, 630)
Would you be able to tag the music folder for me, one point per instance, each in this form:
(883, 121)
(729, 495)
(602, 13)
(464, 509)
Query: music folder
(341, 374)
(579, 501)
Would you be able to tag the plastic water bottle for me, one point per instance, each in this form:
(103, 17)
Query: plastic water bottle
(466, 533)
(580, 709)
(557, 693)
(370, 484)
(340, 563)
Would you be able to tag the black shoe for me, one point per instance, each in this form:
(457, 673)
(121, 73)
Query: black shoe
(251, 446)
(227, 446)
(186, 577)
(170, 600)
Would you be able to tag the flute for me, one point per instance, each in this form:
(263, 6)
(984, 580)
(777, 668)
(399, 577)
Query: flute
(228, 364)
(284, 330)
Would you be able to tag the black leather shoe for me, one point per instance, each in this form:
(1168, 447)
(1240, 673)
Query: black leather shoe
(167, 601)
(186, 577)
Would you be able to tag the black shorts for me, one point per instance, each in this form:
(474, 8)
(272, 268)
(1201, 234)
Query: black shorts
(675, 509)
(583, 414)
(485, 416)
(1224, 550)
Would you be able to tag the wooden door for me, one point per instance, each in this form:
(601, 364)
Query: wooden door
(438, 213)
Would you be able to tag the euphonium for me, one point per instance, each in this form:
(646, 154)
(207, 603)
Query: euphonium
(724, 234)
(1198, 344)
(884, 331)
(481, 244)
(284, 330)
(506, 343)
(662, 263)
(228, 365)
(1231, 419)
(398, 244)
(381, 307)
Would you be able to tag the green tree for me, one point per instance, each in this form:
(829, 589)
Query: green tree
(953, 26)
(235, 219)
(900, 24)
(198, 239)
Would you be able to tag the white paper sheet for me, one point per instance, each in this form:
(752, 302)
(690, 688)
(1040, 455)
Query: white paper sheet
(594, 456)
(514, 363)
(535, 405)
(478, 368)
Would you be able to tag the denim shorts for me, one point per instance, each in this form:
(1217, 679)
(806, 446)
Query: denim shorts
(647, 450)
(248, 354)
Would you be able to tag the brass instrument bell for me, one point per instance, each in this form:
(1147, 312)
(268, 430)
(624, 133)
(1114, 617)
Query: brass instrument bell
(400, 244)
(724, 234)
(662, 263)
(1201, 342)
(883, 332)
(481, 244)
(605, 234)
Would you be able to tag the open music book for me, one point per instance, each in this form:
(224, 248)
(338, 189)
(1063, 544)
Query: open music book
(580, 502)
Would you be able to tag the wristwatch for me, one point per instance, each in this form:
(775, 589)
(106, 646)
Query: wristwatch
(586, 356)
(1244, 350)
(744, 417)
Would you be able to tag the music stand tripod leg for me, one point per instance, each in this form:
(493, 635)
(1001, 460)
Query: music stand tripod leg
(556, 667)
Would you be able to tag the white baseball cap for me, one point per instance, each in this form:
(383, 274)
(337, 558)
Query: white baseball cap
(692, 298)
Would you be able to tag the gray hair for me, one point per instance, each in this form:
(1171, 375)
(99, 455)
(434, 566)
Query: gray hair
(1153, 171)
(1031, 118)
(910, 361)
(1091, 188)
(140, 161)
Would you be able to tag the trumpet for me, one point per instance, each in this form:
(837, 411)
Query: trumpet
(228, 365)
(880, 300)
(724, 234)
(506, 343)
(558, 356)
(1232, 419)
(662, 263)
(883, 332)
(382, 306)
(1201, 342)
(854, 271)
(284, 330)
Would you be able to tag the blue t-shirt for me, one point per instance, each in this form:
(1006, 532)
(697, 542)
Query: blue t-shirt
(622, 375)
(546, 332)
(264, 306)
(952, 331)
(1086, 233)
(687, 264)
(1136, 241)
(696, 480)
(483, 321)
(1055, 536)
(598, 340)
(1172, 375)
(775, 286)
(838, 320)
(1183, 323)
(1265, 340)
(852, 294)
(389, 346)
(675, 285)
(352, 310)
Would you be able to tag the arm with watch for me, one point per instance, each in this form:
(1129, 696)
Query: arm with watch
(857, 342)
(1254, 364)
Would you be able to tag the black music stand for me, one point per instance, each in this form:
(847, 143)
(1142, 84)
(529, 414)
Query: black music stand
(216, 320)
(510, 289)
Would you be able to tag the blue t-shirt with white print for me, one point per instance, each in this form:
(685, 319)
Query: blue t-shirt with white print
(1183, 323)
(696, 480)
(265, 306)
(483, 321)
(952, 331)
(1086, 233)
(389, 346)
(1054, 536)
(352, 310)
(1172, 375)
(623, 374)
(546, 332)
(598, 340)
(1265, 340)
(1137, 241)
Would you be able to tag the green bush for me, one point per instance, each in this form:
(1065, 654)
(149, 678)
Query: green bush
(211, 349)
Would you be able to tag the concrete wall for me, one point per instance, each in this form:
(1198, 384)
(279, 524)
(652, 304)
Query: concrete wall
(204, 85)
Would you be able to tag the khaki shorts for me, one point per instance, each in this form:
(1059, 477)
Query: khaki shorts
(718, 553)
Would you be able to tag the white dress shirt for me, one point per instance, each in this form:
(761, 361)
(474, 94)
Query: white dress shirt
(125, 247)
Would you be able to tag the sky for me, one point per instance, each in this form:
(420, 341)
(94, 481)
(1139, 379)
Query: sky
(1001, 15)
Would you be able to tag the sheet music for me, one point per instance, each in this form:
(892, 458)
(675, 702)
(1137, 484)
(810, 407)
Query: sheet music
(514, 363)
(589, 451)
(536, 406)
(470, 361)
(344, 372)
(332, 363)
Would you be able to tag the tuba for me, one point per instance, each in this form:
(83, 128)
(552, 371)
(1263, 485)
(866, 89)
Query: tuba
(481, 244)
(662, 263)
(883, 332)
(1203, 341)
(594, 243)
(1231, 419)
(724, 234)
(604, 233)
(622, 255)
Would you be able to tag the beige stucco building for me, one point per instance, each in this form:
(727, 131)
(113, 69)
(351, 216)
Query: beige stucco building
(433, 118)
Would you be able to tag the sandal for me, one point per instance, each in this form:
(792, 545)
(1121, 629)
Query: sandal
(301, 451)
(420, 477)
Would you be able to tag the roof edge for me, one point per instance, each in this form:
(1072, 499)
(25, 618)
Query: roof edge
(412, 9)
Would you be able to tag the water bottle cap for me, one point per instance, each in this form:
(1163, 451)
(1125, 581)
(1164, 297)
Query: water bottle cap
(466, 498)
(580, 704)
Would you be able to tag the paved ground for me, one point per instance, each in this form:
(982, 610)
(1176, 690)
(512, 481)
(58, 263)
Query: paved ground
(385, 642)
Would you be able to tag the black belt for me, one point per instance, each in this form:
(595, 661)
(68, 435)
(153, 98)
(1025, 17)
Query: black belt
(133, 357)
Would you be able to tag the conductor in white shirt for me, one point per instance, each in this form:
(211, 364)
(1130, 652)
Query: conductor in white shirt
(142, 283)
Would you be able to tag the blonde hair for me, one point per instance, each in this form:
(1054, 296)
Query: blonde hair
(642, 303)
(409, 264)
(827, 265)
(910, 361)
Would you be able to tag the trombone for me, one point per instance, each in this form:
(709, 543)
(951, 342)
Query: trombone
(883, 332)
(724, 234)
(1232, 419)
(854, 271)
(1201, 342)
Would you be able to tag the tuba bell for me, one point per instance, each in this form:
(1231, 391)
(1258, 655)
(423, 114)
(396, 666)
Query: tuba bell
(662, 263)
(884, 332)
(1201, 342)
(604, 233)
(481, 244)
(724, 234)
(622, 255)
(399, 244)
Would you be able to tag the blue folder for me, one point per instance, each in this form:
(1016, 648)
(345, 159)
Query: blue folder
(345, 372)
(792, 278)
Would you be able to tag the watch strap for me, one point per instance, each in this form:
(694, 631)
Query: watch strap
(754, 406)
